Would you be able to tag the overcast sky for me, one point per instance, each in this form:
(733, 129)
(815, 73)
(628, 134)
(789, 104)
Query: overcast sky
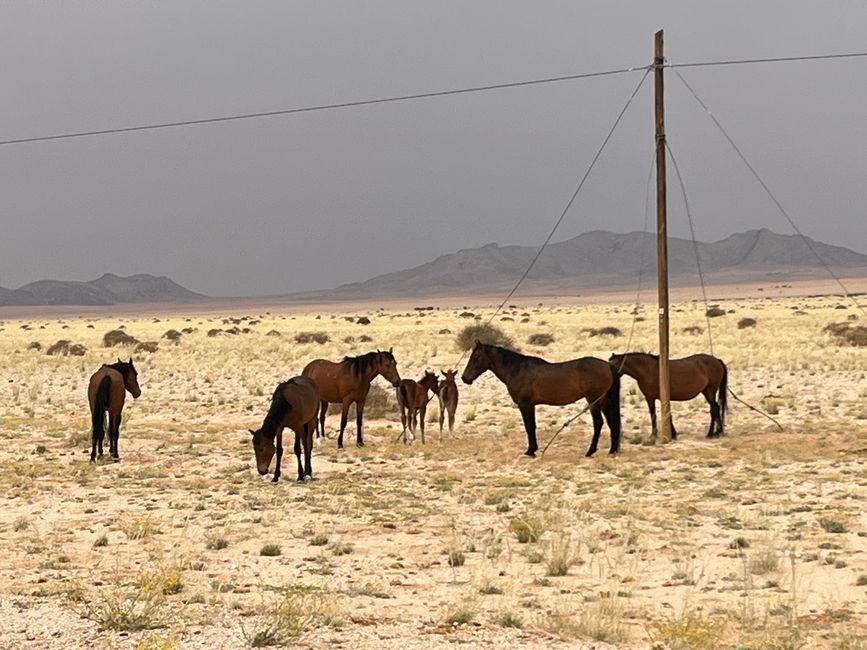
(309, 201)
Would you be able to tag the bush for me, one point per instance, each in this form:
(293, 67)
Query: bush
(67, 348)
(214, 332)
(490, 334)
(35, 345)
(312, 337)
(692, 329)
(273, 333)
(602, 331)
(744, 323)
(847, 334)
(540, 339)
(172, 335)
(147, 346)
(362, 320)
(714, 312)
(117, 337)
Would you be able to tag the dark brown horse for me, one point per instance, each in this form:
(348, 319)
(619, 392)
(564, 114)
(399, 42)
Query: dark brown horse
(412, 401)
(348, 381)
(699, 373)
(295, 404)
(531, 381)
(106, 392)
(447, 392)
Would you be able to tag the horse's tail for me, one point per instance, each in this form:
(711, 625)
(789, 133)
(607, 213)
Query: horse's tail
(722, 397)
(612, 407)
(402, 395)
(100, 406)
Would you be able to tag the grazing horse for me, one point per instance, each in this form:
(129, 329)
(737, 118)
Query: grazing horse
(348, 381)
(531, 381)
(106, 392)
(295, 404)
(412, 401)
(699, 373)
(447, 392)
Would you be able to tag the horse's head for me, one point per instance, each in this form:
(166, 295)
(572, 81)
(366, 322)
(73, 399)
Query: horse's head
(477, 364)
(130, 378)
(388, 367)
(263, 446)
(618, 361)
(450, 375)
(429, 381)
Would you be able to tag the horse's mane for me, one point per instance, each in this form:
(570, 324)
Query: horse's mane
(123, 367)
(640, 354)
(361, 364)
(510, 356)
(279, 408)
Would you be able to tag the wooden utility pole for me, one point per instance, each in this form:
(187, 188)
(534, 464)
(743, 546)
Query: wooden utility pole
(661, 244)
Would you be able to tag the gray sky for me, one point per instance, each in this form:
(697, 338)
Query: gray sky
(310, 201)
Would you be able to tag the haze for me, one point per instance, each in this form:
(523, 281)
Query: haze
(310, 201)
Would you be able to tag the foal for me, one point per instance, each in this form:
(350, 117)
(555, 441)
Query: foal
(448, 396)
(412, 400)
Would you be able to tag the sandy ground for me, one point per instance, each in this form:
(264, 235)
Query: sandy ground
(756, 540)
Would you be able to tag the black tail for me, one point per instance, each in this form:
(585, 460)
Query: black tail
(403, 396)
(100, 406)
(612, 408)
(722, 398)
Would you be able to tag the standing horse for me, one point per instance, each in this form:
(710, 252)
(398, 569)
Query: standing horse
(348, 381)
(295, 404)
(531, 381)
(412, 401)
(447, 392)
(106, 392)
(699, 373)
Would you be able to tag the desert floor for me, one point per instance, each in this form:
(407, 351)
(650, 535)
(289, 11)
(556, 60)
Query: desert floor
(756, 540)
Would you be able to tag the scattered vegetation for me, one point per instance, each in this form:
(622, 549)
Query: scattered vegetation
(67, 349)
(312, 337)
(114, 338)
(486, 333)
(540, 339)
(744, 323)
(848, 334)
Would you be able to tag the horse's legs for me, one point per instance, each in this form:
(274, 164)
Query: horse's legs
(94, 437)
(596, 413)
(297, 449)
(308, 448)
(529, 415)
(615, 434)
(421, 413)
(359, 416)
(323, 411)
(279, 455)
(442, 415)
(452, 419)
(651, 406)
(343, 415)
(114, 434)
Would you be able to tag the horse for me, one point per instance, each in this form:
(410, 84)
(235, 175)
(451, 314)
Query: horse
(294, 404)
(447, 392)
(348, 381)
(107, 392)
(699, 373)
(412, 401)
(531, 381)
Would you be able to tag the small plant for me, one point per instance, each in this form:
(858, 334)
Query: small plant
(833, 526)
(139, 527)
(527, 528)
(689, 630)
(561, 556)
(126, 611)
(340, 548)
(490, 589)
(714, 311)
(270, 550)
(464, 611)
(215, 542)
(744, 323)
(100, 541)
(20, 523)
(115, 338)
(508, 619)
(301, 608)
(319, 538)
(312, 337)
(540, 339)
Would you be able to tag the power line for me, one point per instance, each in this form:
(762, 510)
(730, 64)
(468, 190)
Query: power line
(779, 59)
(771, 194)
(321, 107)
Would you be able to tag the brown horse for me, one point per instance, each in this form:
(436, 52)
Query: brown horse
(106, 392)
(412, 401)
(295, 404)
(348, 381)
(447, 392)
(699, 373)
(531, 381)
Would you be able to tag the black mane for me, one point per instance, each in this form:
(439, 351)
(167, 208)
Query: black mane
(515, 358)
(361, 364)
(279, 408)
(123, 367)
(640, 354)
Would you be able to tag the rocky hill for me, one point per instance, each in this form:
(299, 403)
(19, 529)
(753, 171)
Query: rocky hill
(109, 289)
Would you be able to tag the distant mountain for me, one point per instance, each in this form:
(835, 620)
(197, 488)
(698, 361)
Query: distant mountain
(601, 259)
(110, 289)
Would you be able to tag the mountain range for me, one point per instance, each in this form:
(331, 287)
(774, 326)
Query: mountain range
(591, 261)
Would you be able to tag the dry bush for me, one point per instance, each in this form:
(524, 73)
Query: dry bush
(608, 330)
(847, 334)
(362, 320)
(489, 334)
(312, 337)
(540, 339)
(147, 346)
(273, 333)
(67, 348)
(714, 311)
(172, 335)
(114, 338)
(744, 323)
(35, 345)
(695, 330)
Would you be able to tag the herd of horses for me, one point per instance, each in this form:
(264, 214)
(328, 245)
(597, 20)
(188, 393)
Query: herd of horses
(301, 403)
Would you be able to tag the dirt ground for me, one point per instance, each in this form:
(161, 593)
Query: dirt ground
(756, 540)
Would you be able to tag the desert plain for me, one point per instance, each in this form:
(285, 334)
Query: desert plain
(755, 540)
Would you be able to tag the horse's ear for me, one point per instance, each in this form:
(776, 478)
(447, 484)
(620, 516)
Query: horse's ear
(390, 350)
(118, 360)
(252, 433)
(130, 361)
(477, 343)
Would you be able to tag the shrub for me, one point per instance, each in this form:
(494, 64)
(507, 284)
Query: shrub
(114, 338)
(273, 333)
(540, 339)
(744, 323)
(172, 335)
(847, 334)
(714, 311)
(214, 332)
(602, 331)
(312, 337)
(362, 320)
(270, 550)
(490, 334)
(147, 346)
(67, 348)
(692, 329)
(36, 345)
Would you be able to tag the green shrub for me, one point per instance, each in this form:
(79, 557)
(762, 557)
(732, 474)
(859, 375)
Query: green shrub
(486, 333)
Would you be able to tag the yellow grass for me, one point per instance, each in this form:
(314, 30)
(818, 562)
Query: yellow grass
(756, 539)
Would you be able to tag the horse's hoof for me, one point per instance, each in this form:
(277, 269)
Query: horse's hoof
(530, 454)
(360, 443)
(300, 479)
(309, 477)
(275, 479)
(589, 454)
